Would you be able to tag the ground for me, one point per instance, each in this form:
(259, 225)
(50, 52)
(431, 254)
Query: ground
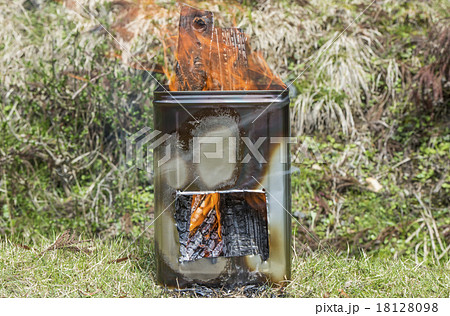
(63, 273)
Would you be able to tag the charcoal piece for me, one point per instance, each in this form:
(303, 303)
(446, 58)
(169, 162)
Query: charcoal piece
(183, 214)
(195, 32)
(204, 242)
(244, 227)
(243, 219)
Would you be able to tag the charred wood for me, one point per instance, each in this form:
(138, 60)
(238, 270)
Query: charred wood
(243, 219)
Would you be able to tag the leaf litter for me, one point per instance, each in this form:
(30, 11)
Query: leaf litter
(69, 241)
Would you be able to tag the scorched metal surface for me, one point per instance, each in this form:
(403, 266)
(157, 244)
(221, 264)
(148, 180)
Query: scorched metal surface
(251, 125)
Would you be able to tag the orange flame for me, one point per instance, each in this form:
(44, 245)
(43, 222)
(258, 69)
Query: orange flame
(208, 57)
(212, 58)
(202, 204)
(257, 201)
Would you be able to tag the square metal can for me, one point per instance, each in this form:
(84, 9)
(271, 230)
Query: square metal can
(234, 144)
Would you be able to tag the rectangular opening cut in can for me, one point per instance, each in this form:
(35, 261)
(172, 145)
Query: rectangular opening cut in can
(229, 223)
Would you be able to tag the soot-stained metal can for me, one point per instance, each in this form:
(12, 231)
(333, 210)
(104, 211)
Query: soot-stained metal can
(234, 144)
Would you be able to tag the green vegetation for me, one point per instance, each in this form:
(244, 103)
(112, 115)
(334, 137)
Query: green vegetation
(370, 108)
(62, 273)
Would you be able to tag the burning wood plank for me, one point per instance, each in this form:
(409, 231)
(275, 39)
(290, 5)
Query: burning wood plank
(198, 223)
(213, 58)
(245, 227)
(228, 223)
(228, 62)
(195, 33)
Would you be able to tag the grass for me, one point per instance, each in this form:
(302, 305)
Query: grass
(62, 273)
(62, 143)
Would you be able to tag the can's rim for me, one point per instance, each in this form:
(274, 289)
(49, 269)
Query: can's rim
(209, 97)
(164, 90)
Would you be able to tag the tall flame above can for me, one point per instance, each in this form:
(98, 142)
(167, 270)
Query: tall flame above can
(216, 58)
